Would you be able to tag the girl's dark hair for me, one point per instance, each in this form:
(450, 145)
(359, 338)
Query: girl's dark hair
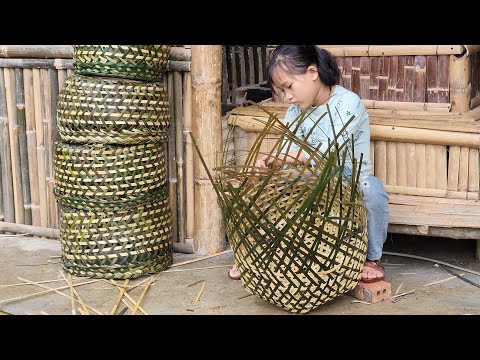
(297, 58)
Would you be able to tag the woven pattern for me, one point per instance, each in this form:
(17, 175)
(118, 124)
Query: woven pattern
(110, 111)
(117, 245)
(298, 233)
(108, 177)
(137, 62)
(300, 266)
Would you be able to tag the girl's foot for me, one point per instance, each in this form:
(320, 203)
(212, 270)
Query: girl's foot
(233, 273)
(373, 271)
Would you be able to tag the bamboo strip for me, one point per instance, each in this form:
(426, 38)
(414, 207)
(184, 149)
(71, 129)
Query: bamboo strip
(32, 146)
(381, 161)
(409, 71)
(172, 167)
(72, 295)
(142, 295)
(37, 63)
(42, 184)
(443, 75)
(420, 64)
(9, 75)
(473, 171)
(75, 292)
(400, 85)
(251, 66)
(423, 136)
(241, 57)
(233, 67)
(431, 169)
(441, 167)
(420, 165)
(189, 171)
(432, 79)
(402, 164)
(179, 151)
(453, 167)
(5, 159)
(60, 293)
(411, 161)
(120, 295)
(463, 170)
(22, 140)
(392, 79)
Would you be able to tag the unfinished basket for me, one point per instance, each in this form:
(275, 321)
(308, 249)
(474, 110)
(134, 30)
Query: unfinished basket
(117, 244)
(298, 233)
(137, 62)
(108, 177)
(112, 111)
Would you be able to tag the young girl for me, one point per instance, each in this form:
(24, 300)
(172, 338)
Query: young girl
(308, 77)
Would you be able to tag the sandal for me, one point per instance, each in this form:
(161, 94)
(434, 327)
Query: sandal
(233, 277)
(376, 265)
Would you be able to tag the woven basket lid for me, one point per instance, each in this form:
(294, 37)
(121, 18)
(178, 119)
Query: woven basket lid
(136, 62)
(118, 244)
(112, 111)
(111, 177)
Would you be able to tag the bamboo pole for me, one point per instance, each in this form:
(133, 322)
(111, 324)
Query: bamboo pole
(207, 130)
(22, 138)
(36, 51)
(177, 86)
(189, 171)
(30, 230)
(48, 141)
(9, 75)
(178, 53)
(180, 66)
(444, 193)
(31, 146)
(172, 167)
(42, 183)
(393, 50)
(459, 83)
(412, 106)
(37, 63)
(423, 136)
(5, 157)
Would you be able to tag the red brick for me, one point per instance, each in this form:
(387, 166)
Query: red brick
(373, 292)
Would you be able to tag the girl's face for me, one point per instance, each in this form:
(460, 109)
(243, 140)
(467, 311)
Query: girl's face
(301, 90)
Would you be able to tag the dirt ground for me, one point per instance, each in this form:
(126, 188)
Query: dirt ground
(203, 287)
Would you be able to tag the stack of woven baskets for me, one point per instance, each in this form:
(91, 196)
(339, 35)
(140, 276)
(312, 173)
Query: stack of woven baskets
(110, 171)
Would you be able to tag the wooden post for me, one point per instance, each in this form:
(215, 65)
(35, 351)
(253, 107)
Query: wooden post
(207, 130)
(459, 83)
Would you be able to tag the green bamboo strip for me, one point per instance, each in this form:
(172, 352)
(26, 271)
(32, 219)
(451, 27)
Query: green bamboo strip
(22, 135)
(9, 75)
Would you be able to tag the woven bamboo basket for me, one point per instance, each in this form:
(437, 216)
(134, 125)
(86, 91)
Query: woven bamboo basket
(112, 111)
(117, 244)
(136, 62)
(298, 233)
(109, 177)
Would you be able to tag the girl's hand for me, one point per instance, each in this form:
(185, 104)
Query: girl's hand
(264, 161)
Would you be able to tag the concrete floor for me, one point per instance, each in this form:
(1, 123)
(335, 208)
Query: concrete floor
(176, 290)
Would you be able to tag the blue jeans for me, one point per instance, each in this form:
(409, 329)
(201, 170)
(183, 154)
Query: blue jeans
(376, 202)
